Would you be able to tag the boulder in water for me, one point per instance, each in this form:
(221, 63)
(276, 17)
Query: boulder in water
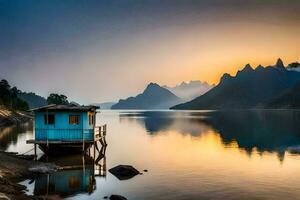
(124, 172)
(117, 197)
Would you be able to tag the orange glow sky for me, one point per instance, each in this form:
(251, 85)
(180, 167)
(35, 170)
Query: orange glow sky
(102, 51)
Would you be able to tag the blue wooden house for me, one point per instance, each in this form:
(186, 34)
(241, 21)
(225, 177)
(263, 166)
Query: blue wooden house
(70, 127)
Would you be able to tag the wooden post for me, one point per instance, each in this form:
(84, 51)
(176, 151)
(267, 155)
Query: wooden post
(83, 145)
(35, 156)
(94, 149)
(82, 140)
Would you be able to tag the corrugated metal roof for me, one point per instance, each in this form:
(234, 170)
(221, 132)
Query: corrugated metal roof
(54, 107)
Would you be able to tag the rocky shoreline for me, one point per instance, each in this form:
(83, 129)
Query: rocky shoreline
(15, 168)
(12, 171)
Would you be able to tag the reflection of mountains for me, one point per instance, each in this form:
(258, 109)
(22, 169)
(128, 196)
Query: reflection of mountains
(160, 121)
(264, 130)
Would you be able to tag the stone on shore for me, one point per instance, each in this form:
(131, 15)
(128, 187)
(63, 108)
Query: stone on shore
(124, 172)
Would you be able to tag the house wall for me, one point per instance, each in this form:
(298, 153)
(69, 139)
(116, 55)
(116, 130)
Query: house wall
(61, 129)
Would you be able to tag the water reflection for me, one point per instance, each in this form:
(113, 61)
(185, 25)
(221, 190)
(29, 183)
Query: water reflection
(189, 155)
(76, 175)
(271, 131)
(263, 130)
(79, 178)
(13, 134)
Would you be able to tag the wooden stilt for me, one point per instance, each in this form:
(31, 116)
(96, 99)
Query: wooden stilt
(104, 141)
(94, 149)
(35, 156)
(83, 148)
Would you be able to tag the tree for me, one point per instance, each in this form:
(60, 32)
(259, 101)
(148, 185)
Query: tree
(54, 98)
(9, 97)
(5, 96)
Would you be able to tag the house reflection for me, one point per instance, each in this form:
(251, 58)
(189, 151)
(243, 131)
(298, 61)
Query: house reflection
(76, 175)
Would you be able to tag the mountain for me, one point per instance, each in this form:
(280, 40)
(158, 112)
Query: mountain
(288, 99)
(190, 90)
(247, 89)
(32, 99)
(105, 105)
(153, 97)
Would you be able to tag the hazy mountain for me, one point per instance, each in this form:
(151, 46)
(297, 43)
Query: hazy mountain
(32, 99)
(153, 97)
(247, 89)
(105, 105)
(290, 98)
(190, 90)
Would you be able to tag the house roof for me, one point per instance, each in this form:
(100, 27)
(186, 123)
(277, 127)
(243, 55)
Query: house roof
(54, 107)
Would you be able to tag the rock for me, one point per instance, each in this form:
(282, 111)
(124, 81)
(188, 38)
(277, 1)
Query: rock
(145, 170)
(124, 172)
(106, 197)
(43, 168)
(117, 197)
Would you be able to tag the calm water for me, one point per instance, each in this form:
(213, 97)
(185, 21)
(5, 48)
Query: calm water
(189, 155)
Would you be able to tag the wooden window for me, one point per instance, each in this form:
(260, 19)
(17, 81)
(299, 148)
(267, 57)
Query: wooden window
(49, 119)
(74, 119)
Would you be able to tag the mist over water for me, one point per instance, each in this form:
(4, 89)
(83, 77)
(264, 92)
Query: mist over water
(189, 155)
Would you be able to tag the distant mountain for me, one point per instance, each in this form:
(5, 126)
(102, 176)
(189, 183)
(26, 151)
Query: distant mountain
(153, 97)
(32, 99)
(190, 90)
(105, 105)
(290, 98)
(247, 89)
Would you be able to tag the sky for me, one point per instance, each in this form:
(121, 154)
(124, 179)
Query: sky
(104, 50)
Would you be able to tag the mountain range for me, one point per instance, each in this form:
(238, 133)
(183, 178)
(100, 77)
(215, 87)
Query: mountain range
(248, 89)
(190, 90)
(153, 97)
(104, 105)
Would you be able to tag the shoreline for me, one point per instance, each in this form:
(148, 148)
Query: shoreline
(13, 167)
(12, 171)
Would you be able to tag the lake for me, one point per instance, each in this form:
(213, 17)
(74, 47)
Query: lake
(188, 154)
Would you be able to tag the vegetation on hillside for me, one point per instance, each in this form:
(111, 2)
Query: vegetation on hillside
(9, 97)
(32, 99)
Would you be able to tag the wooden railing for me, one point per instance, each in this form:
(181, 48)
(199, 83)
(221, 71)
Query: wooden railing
(100, 131)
